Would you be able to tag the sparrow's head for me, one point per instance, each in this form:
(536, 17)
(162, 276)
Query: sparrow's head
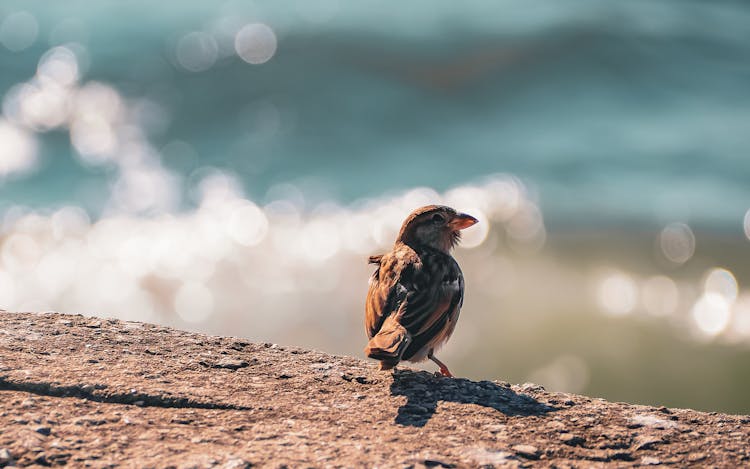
(436, 226)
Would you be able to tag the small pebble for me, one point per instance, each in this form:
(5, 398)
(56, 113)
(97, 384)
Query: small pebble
(437, 463)
(646, 441)
(231, 364)
(236, 464)
(532, 387)
(495, 428)
(571, 439)
(43, 430)
(527, 451)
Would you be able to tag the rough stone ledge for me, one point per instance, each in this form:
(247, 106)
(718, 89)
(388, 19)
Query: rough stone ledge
(90, 392)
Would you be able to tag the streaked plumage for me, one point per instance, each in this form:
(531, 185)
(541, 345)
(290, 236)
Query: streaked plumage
(416, 292)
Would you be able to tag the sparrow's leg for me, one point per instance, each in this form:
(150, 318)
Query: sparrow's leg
(443, 369)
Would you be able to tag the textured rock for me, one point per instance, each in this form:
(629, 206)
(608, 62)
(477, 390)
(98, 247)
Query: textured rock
(97, 392)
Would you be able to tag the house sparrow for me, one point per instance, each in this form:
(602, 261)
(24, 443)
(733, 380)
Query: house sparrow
(417, 290)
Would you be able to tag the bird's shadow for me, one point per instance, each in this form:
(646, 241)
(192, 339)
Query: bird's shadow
(423, 391)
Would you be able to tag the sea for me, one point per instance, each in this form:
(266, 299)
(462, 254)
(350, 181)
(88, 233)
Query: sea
(637, 112)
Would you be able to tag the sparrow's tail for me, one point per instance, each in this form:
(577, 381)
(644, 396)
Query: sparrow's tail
(389, 344)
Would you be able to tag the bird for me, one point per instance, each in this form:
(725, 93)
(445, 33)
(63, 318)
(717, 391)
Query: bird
(416, 292)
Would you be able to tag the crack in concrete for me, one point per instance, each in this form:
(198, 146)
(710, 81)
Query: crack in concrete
(138, 399)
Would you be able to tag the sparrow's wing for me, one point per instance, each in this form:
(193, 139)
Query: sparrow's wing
(389, 286)
(433, 303)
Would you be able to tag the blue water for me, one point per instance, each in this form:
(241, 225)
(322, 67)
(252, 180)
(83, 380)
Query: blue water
(630, 113)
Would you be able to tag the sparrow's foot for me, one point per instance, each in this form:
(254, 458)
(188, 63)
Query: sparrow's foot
(444, 371)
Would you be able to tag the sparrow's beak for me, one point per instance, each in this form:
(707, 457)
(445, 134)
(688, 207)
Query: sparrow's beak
(461, 221)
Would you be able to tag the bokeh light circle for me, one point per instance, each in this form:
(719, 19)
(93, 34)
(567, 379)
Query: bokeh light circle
(677, 243)
(197, 51)
(255, 43)
(617, 294)
(711, 313)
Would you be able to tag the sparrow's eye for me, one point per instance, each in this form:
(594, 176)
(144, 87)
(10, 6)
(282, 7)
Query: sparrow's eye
(437, 218)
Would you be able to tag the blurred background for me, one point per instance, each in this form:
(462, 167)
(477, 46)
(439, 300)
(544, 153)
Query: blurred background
(227, 167)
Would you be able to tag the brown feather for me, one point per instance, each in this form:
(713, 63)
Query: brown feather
(389, 343)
